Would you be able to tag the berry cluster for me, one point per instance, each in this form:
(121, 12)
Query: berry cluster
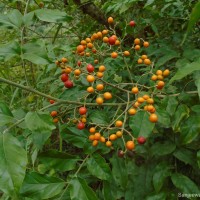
(137, 99)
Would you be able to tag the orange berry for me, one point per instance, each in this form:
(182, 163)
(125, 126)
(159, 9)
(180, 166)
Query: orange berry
(130, 145)
(144, 57)
(137, 41)
(104, 32)
(114, 55)
(160, 77)
(150, 101)
(139, 61)
(90, 89)
(140, 99)
(132, 111)
(166, 72)
(77, 72)
(102, 68)
(146, 96)
(119, 134)
(97, 136)
(99, 100)
(153, 118)
(147, 61)
(108, 143)
(160, 84)
(99, 34)
(146, 44)
(55, 120)
(110, 20)
(137, 47)
(87, 54)
(112, 137)
(102, 139)
(96, 61)
(64, 60)
(54, 113)
(126, 53)
(99, 74)
(95, 143)
(107, 95)
(150, 108)
(154, 77)
(136, 104)
(118, 123)
(92, 130)
(83, 42)
(91, 137)
(89, 45)
(117, 42)
(159, 72)
(90, 78)
(135, 90)
(88, 40)
(100, 87)
(105, 39)
(80, 48)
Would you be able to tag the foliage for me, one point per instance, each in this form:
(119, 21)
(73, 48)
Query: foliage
(43, 155)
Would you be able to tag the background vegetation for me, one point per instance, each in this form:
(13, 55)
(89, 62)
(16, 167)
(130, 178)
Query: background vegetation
(40, 159)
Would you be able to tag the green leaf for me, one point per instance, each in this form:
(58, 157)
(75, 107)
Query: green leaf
(73, 94)
(181, 113)
(149, 2)
(38, 121)
(162, 171)
(49, 15)
(58, 160)
(186, 70)
(185, 155)
(194, 17)
(184, 184)
(5, 119)
(198, 158)
(35, 52)
(5, 109)
(172, 105)
(100, 117)
(12, 19)
(163, 117)
(119, 171)
(161, 61)
(190, 129)
(140, 124)
(13, 160)
(74, 136)
(37, 186)
(197, 81)
(9, 50)
(107, 191)
(98, 167)
(161, 149)
(80, 190)
(159, 196)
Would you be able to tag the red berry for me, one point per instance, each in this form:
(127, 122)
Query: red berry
(68, 84)
(64, 77)
(51, 101)
(111, 40)
(120, 154)
(132, 23)
(90, 68)
(82, 110)
(79, 63)
(80, 125)
(141, 140)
